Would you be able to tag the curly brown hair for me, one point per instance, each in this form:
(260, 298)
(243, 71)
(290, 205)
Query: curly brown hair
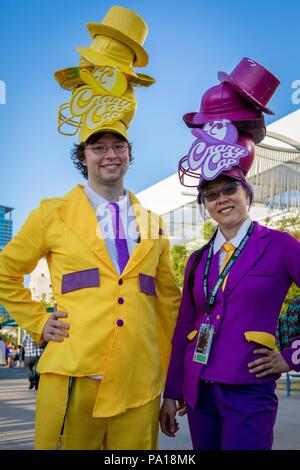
(78, 155)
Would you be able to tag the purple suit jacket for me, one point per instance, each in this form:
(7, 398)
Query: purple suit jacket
(255, 289)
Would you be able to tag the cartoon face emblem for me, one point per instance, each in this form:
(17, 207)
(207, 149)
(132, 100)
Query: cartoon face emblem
(221, 130)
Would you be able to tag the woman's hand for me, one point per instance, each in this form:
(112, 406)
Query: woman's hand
(181, 408)
(168, 423)
(271, 363)
(55, 330)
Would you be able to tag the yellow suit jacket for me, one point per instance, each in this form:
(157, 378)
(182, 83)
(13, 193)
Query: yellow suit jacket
(120, 325)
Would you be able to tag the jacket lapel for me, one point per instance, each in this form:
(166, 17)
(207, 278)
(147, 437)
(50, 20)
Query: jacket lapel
(251, 254)
(80, 216)
(148, 227)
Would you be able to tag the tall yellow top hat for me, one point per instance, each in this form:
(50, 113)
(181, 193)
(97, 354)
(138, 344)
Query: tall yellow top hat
(117, 42)
(127, 27)
(102, 95)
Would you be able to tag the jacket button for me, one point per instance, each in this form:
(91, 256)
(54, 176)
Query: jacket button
(120, 323)
(120, 282)
(120, 300)
(218, 317)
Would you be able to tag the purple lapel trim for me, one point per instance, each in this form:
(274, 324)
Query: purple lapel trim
(147, 284)
(80, 280)
(251, 254)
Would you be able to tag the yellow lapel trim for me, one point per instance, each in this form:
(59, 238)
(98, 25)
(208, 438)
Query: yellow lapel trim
(80, 216)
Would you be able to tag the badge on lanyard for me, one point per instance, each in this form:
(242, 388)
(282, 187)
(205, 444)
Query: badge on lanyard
(204, 341)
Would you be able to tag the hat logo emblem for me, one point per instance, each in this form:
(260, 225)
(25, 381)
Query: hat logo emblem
(101, 101)
(215, 149)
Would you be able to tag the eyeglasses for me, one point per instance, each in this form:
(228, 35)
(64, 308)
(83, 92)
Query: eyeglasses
(227, 190)
(102, 149)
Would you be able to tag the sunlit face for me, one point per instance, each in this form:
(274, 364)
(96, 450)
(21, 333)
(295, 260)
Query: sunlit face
(110, 167)
(230, 207)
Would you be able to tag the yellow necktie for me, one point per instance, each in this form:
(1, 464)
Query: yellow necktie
(229, 248)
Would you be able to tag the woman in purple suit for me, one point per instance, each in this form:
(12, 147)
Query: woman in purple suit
(224, 367)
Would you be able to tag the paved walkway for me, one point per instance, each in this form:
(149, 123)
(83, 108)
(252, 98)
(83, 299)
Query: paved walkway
(17, 404)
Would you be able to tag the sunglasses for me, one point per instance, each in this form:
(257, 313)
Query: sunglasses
(227, 190)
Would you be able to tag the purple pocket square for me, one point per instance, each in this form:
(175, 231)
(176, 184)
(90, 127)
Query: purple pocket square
(80, 280)
(147, 284)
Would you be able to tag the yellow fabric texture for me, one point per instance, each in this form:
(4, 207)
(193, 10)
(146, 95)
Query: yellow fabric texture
(229, 248)
(192, 335)
(137, 429)
(125, 26)
(65, 230)
(260, 337)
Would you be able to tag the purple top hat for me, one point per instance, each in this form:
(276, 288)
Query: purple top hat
(253, 82)
(221, 102)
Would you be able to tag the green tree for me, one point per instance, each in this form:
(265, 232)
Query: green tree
(209, 229)
(45, 302)
(179, 255)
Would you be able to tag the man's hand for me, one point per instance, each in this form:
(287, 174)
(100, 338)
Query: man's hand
(54, 330)
(168, 423)
(271, 363)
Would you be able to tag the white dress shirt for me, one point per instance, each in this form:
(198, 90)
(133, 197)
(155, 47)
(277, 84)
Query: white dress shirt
(105, 220)
(220, 239)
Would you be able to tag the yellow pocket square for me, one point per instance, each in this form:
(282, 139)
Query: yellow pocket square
(192, 335)
(260, 337)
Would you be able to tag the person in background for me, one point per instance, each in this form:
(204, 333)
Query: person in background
(2, 352)
(31, 357)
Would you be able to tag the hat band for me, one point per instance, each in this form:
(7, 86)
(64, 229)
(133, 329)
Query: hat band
(226, 108)
(113, 49)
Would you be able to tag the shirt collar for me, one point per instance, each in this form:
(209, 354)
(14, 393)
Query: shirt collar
(220, 239)
(99, 202)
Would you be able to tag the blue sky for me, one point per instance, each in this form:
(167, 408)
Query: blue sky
(188, 43)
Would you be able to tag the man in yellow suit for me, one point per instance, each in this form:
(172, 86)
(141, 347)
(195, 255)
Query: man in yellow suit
(109, 341)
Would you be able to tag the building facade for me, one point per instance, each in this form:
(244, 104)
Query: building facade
(6, 228)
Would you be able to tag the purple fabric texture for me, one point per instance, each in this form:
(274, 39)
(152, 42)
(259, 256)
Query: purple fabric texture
(251, 301)
(233, 417)
(147, 284)
(120, 237)
(253, 82)
(80, 280)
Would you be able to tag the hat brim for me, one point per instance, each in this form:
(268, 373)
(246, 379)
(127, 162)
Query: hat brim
(69, 78)
(196, 119)
(118, 127)
(236, 173)
(254, 128)
(224, 77)
(141, 56)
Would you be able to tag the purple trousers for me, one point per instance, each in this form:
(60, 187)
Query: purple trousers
(233, 417)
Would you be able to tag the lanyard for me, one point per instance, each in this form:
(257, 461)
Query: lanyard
(211, 298)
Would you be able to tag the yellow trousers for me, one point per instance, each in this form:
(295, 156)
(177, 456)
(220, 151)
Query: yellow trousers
(136, 429)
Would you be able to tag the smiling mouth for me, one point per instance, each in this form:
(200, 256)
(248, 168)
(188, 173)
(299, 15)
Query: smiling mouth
(111, 165)
(226, 210)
